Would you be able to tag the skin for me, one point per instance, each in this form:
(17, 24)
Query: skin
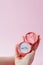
(6, 60)
(19, 60)
(27, 60)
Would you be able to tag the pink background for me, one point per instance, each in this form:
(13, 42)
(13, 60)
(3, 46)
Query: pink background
(17, 17)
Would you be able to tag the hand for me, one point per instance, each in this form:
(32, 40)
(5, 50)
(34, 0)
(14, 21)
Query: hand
(28, 59)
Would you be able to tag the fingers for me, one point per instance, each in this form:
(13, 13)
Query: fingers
(36, 45)
(23, 38)
(17, 55)
(31, 58)
(16, 51)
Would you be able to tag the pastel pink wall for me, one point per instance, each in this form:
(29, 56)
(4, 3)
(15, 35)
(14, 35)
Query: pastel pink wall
(17, 17)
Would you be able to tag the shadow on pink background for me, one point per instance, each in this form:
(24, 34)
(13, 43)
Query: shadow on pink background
(17, 17)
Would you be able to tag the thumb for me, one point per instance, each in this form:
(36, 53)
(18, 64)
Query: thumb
(29, 56)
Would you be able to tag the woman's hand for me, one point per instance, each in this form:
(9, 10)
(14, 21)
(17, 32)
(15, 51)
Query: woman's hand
(27, 59)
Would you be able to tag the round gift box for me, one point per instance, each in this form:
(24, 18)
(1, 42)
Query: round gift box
(24, 48)
(31, 38)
